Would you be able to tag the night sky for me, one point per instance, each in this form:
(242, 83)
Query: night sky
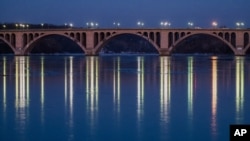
(127, 12)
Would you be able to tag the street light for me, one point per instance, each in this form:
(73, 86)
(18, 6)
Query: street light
(92, 24)
(165, 24)
(190, 24)
(240, 24)
(42, 24)
(214, 24)
(140, 24)
(116, 24)
(71, 25)
(4, 26)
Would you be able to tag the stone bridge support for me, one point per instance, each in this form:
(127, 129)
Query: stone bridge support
(19, 44)
(239, 47)
(164, 44)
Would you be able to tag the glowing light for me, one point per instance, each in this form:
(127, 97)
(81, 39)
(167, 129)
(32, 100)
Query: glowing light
(190, 24)
(92, 87)
(22, 88)
(140, 24)
(214, 94)
(165, 24)
(240, 24)
(116, 84)
(239, 86)
(92, 24)
(42, 89)
(214, 24)
(117, 24)
(22, 81)
(140, 86)
(71, 25)
(4, 83)
(165, 86)
(190, 86)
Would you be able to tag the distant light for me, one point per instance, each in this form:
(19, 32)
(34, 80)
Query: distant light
(140, 24)
(240, 24)
(214, 24)
(117, 24)
(92, 24)
(165, 24)
(71, 25)
(190, 24)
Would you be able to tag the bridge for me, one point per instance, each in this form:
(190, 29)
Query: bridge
(91, 41)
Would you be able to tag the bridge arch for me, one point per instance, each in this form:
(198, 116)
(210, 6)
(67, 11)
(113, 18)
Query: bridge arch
(102, 43)
(28, 46)
(192, 34)
(8, 43)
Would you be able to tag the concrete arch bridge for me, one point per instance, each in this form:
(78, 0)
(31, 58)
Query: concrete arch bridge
(92, 40)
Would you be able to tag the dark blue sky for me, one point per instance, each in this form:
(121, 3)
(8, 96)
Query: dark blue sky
(128, 12)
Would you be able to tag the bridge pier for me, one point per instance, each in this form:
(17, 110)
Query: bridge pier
(90, 52)
(164, 52)
(239, 51)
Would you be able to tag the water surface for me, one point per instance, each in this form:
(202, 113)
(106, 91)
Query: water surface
(121, 98)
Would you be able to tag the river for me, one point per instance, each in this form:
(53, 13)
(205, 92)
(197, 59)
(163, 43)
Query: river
(122, 98)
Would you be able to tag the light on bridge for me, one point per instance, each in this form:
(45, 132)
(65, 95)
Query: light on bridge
(92, 24)
(71, 25)
(240, 24)
(116, 24)
(190, 24)
(165, 24)
(140, 24)
(214, 24)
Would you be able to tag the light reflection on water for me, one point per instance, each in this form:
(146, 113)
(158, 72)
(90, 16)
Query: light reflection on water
(122, 98)
(214, 96)
(239, 89)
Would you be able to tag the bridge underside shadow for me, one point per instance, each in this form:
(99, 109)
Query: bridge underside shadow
(5, 48)
(52, 44)
(127, 43)
(202, 44)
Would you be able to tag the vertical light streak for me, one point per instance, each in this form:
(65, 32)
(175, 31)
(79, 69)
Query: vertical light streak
(42, 89)
(96, 80)
(165, 86)
(116, 84)
(92, 90)
(214, 94)
(4, 84)
(22, 90)
(140, 87)
(27, 75)
(17, 79)
(92, 87)
(71, 89)
(71, 92)
(190, 86)
(140, 93)
(87, 79)
(239, 87)
(65, 81)
(21, 82)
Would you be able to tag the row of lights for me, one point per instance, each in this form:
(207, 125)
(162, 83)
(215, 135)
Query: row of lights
(164, 24)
